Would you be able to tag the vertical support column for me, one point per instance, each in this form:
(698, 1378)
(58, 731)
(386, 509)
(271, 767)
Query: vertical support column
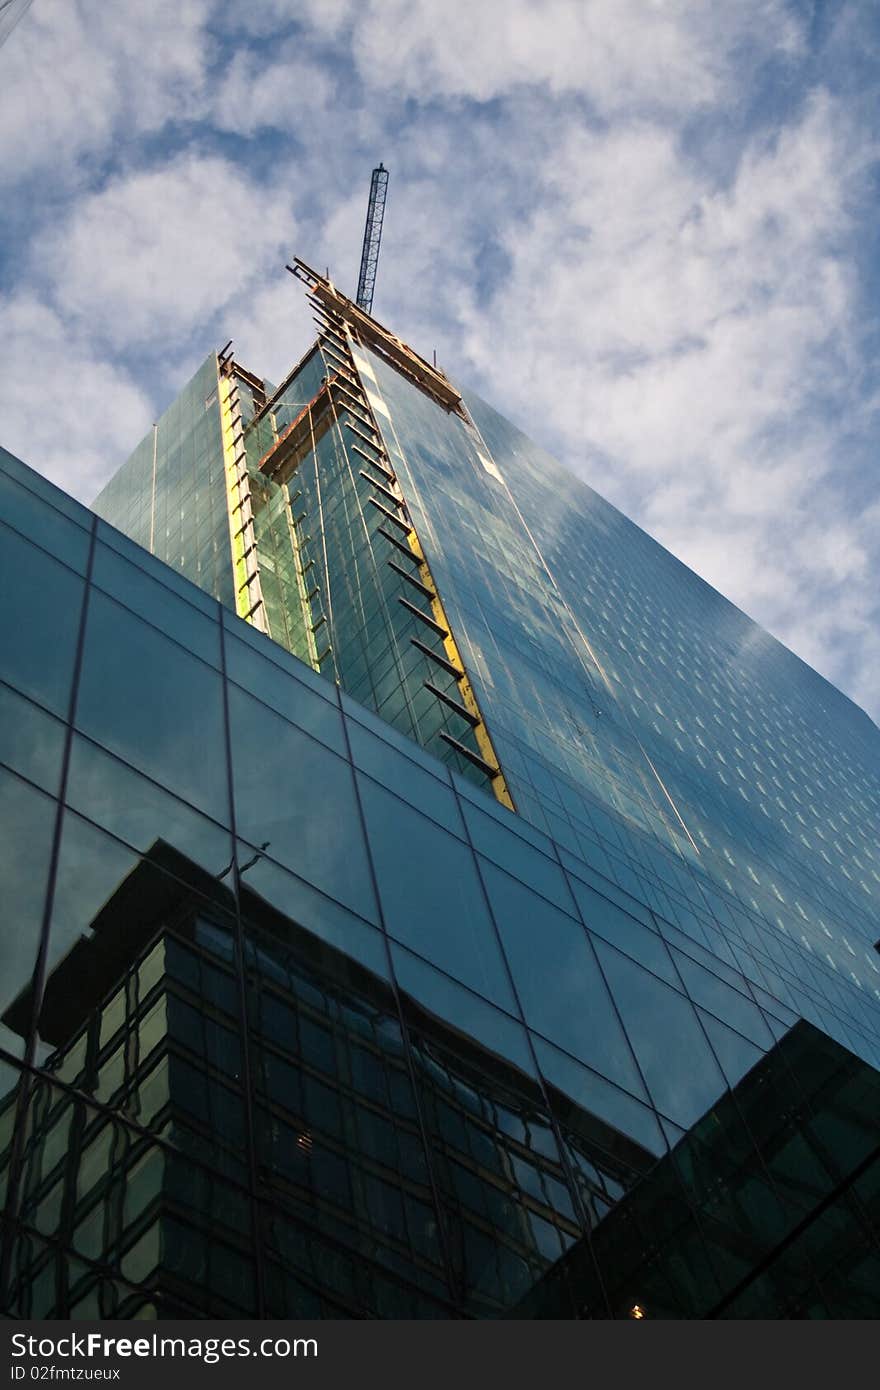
(469, 709)
(348, 394)
(249, 602)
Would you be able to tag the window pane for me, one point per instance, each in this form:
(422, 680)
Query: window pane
(561, 989)
(462, 1009)
(608, 920)
(158, 604)
(38, 634)
(154, 704)
(727, 1004)
(431, 894)
(115, 540)
(505, 847)
(485, 802)
(304, 704)
(592, 1095)
(137, 811)
(337, 1121)
(682, 1075)
(28, 819)
(296, 799)
(316, 913)
(30, 516)
(111, 907)
(404, 777)
(735, 1053)
(31, 741)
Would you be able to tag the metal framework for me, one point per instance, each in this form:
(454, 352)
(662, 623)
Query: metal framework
(331, 305)
(345, 402)
(372, 238)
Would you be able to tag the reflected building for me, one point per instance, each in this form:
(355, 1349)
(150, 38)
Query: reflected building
(417, 883)
(357, 1132)
(783, 1185)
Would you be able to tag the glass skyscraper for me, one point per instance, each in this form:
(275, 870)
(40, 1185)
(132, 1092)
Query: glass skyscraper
(424, 896)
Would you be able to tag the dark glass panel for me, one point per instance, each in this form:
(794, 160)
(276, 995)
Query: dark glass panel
(139, 1007)
(404, 777)
(339, 1145)
(506, 848)
(731, 1006)
(288, 686)
(509, 821)
(503, 1185)
(735, 1053)
(156, 569)
(65, 537)
(28, 819)
(31, 741)
(38, 633)
(296, 800)
(100, 1188)
(309, 1274)
(681, 1073)
(148, 700)
(460, 1007)
(609, 921)
(159, 603)
(621, 1122)
(322, 916)
(48, 1281)
(431, 894)
(136, 810)
(561, 989)
(43, 490)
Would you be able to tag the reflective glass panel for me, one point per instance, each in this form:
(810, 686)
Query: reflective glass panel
(559, 984)
(681, 1073)
(135, 680)
(28, 819)
(38, 635)
(295, 800)
(431, 894)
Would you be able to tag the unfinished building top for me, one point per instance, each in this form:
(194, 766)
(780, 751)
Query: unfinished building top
(373, 335)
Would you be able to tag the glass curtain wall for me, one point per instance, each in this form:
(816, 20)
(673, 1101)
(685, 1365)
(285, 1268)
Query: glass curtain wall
(645, 723)
(428, 1048)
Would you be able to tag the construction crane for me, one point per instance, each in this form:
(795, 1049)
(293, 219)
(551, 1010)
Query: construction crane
(372, 238)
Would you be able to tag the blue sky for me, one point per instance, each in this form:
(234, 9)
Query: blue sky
(645, 230)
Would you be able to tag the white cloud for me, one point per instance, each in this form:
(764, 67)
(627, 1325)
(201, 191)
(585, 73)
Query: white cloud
(666, 54)
(272, 327)
(74, 410)
(160, 251)
(75, 76)
(290, 93)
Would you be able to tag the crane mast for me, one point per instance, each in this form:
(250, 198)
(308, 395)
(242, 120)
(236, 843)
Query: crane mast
(372, 238)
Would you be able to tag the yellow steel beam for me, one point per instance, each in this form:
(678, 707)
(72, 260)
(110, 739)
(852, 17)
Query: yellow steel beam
(236, 535)
(453, 656)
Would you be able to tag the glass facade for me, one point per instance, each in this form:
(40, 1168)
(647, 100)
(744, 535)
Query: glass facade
(170, 495)
(784, 1176)
(388, 818)
(219, 948)
(646, 724)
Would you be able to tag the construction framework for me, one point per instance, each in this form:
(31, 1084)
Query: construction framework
(341, 401)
